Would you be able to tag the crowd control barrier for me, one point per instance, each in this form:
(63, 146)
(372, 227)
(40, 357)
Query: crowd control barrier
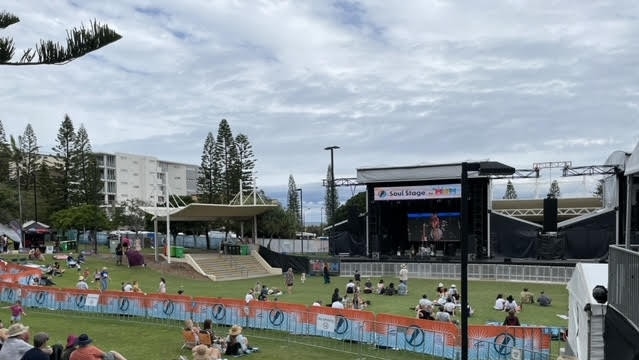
(382, 330)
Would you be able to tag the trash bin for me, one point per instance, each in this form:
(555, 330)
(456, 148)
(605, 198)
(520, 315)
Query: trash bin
(177, 251)
(245, 250)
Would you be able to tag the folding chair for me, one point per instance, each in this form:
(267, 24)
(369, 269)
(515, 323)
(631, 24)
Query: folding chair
(190, 339)
(205, 339)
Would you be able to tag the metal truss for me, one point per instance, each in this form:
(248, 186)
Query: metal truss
(570, 212)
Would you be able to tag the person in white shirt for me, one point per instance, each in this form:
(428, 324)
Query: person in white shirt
(442, 315)
(499, 302)
(338, 304)
(452, 291)
(350, 287)
(127, 287)
(403, 274)
(511, 304)
(317, 303)
(449, 306)
(82, 284)
(249, 296)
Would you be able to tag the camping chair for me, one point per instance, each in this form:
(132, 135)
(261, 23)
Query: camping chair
(190, 339)
(205, 339)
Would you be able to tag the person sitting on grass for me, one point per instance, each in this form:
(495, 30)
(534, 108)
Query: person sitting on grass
(368, 286)
(511, 319)
(236, 343)
(543, 299)
(526, 297)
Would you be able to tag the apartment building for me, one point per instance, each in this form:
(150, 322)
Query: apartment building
(129, 177)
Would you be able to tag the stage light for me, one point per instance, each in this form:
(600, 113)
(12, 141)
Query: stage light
(600, 293)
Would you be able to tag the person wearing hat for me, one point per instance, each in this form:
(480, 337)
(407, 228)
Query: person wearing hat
(72, 344)
(17, 342)
(236, 343)
(403, 274)
(86, 351)
(82, 283)
(40, 350)
(203, 352)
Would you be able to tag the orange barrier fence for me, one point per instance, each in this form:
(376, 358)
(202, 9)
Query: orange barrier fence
(384, 330)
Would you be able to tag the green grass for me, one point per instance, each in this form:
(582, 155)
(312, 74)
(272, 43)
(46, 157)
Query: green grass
(157, 341)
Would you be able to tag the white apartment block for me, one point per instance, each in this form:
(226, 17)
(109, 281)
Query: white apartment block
(130, 177)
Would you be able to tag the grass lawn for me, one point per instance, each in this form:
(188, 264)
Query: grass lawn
(156, 341)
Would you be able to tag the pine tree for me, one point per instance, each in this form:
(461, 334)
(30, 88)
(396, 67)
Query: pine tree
(85, 165)
(4, 154)
(225, 157)
(292, 199)
(30, 156)
(599, 190)
(332, 197)
(245, 160)
(66, 183)
(511, 193)
(79, 43)
(554, 189)
(208, 169)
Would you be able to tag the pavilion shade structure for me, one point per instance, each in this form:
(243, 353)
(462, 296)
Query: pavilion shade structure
(207, 212)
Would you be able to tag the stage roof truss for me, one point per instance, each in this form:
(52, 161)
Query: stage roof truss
(208, 212)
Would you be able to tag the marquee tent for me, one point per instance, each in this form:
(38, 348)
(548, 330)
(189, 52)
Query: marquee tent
(586, 326)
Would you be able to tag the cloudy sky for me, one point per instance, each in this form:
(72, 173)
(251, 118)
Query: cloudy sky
(391, 83)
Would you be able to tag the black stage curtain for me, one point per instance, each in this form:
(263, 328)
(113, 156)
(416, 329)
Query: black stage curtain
(512, 238)
(345, 242)
(299, 264)
(589, 238)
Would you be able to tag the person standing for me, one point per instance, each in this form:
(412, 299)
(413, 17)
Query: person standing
(17, 312)
(104, 279)
(118, 254)
(326, 274)
(289, 279)
(403, 274)
(162, 286)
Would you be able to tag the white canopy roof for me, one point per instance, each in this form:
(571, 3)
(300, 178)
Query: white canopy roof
(207, 212)
(632, 165)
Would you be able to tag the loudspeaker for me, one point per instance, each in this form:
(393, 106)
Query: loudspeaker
(550, 214)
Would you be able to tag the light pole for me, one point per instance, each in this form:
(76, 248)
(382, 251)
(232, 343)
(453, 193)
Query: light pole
(322, 220)
(331, 198)
(483, 168)
(301, 216)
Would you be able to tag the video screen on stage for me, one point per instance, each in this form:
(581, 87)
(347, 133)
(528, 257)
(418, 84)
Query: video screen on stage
(432, 227)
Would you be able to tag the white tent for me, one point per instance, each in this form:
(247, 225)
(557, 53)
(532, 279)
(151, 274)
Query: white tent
(586, 328)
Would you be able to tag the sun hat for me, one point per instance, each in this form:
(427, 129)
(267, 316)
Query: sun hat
(81, 278)
(453, 286)
(72, 340)
(440, 285)
(17, 329)
(403, 266)
(201, 352)
(235, 330)
(84, 340)
(104, 268)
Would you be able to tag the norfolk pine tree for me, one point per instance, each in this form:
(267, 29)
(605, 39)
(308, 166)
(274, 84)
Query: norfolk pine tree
(292, 200)
(80, 41)
(511, 193)
(554, 189)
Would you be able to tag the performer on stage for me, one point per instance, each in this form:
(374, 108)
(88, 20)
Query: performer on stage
(436, 232)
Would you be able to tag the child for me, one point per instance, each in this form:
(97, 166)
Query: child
(303, 277)
(16, 312)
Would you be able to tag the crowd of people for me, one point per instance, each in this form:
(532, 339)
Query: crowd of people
(210, 346)
(14, 345)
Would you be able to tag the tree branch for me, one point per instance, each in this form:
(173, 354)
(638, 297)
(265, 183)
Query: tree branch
(79, 43)
(7, 19)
